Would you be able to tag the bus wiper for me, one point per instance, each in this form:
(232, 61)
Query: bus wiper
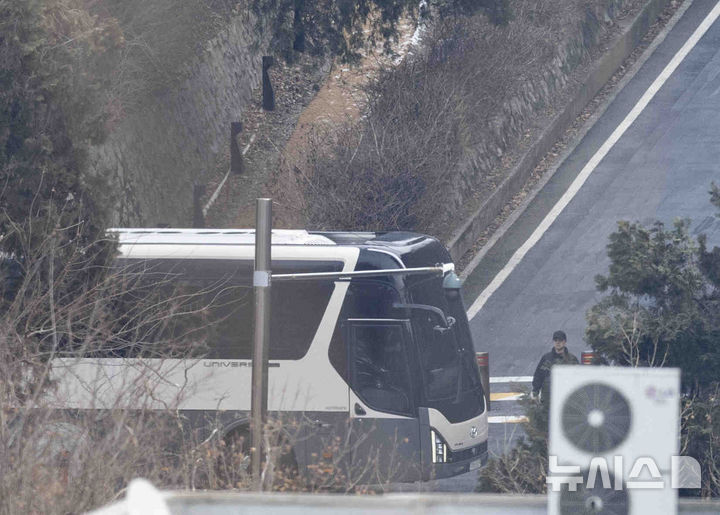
(442, 330)
(448, 321)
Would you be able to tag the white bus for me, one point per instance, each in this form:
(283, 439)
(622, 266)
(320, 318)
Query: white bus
(386, 362)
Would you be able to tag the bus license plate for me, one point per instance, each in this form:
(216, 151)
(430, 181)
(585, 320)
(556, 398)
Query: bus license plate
(476, 464)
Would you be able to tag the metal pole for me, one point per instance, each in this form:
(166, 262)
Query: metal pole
(261, 284)
(483, 362)
(339, 276)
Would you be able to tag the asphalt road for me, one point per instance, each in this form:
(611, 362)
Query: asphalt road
(661, 168)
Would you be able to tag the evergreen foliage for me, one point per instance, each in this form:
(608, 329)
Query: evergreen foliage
(663, 303)
(342, 27)
(663, 309)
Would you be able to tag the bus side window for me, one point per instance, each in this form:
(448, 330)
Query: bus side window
(205, 309)
(365, 298)
(378, 362)
(296, 310)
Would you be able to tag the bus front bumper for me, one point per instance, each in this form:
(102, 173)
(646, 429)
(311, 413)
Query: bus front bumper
(458, 462)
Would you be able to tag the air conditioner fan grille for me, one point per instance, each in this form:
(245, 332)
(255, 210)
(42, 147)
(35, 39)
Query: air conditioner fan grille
(596, 418)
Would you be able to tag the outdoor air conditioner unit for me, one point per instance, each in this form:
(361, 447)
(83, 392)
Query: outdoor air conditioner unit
(613, 424)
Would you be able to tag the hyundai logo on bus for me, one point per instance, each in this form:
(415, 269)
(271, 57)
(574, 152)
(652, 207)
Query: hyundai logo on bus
(685, 472)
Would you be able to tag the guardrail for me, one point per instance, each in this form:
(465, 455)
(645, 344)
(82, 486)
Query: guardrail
(143, 498)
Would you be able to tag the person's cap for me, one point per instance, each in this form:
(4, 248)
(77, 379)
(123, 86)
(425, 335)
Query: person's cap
(559, 336)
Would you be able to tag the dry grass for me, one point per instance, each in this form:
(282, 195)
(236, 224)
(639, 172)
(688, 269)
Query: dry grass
(55, 459)
(437, 125)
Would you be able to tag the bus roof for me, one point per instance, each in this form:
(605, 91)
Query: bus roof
(214, 236)
(279, 237)
(396, 242)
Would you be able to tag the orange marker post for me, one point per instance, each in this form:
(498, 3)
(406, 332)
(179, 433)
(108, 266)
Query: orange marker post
(587, 357)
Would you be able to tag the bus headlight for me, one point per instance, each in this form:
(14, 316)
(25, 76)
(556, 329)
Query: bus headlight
(439, 449)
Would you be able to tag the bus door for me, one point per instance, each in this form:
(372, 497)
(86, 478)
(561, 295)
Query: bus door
(384, 429)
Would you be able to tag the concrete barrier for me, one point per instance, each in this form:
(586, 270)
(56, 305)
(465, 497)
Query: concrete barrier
(143, 499)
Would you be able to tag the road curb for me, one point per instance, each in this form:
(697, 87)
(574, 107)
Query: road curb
(471, 230)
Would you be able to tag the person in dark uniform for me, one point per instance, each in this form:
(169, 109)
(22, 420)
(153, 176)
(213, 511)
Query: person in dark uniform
(558, 355)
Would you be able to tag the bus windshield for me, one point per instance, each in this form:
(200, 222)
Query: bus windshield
(445, 347)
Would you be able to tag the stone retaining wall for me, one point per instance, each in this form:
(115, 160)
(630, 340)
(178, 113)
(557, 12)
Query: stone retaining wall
(154, 156)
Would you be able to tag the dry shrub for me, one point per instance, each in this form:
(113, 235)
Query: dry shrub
(436, 124)
(60, 302)
(700, 438)
(522, 469)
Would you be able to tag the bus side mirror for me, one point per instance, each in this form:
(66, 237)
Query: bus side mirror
(452, 285)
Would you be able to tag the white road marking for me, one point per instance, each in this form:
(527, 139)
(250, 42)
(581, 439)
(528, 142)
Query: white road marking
(511, 379)
(507, 420)
(594, 161)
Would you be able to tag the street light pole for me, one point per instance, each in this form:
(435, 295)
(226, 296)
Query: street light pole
(261, 284)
